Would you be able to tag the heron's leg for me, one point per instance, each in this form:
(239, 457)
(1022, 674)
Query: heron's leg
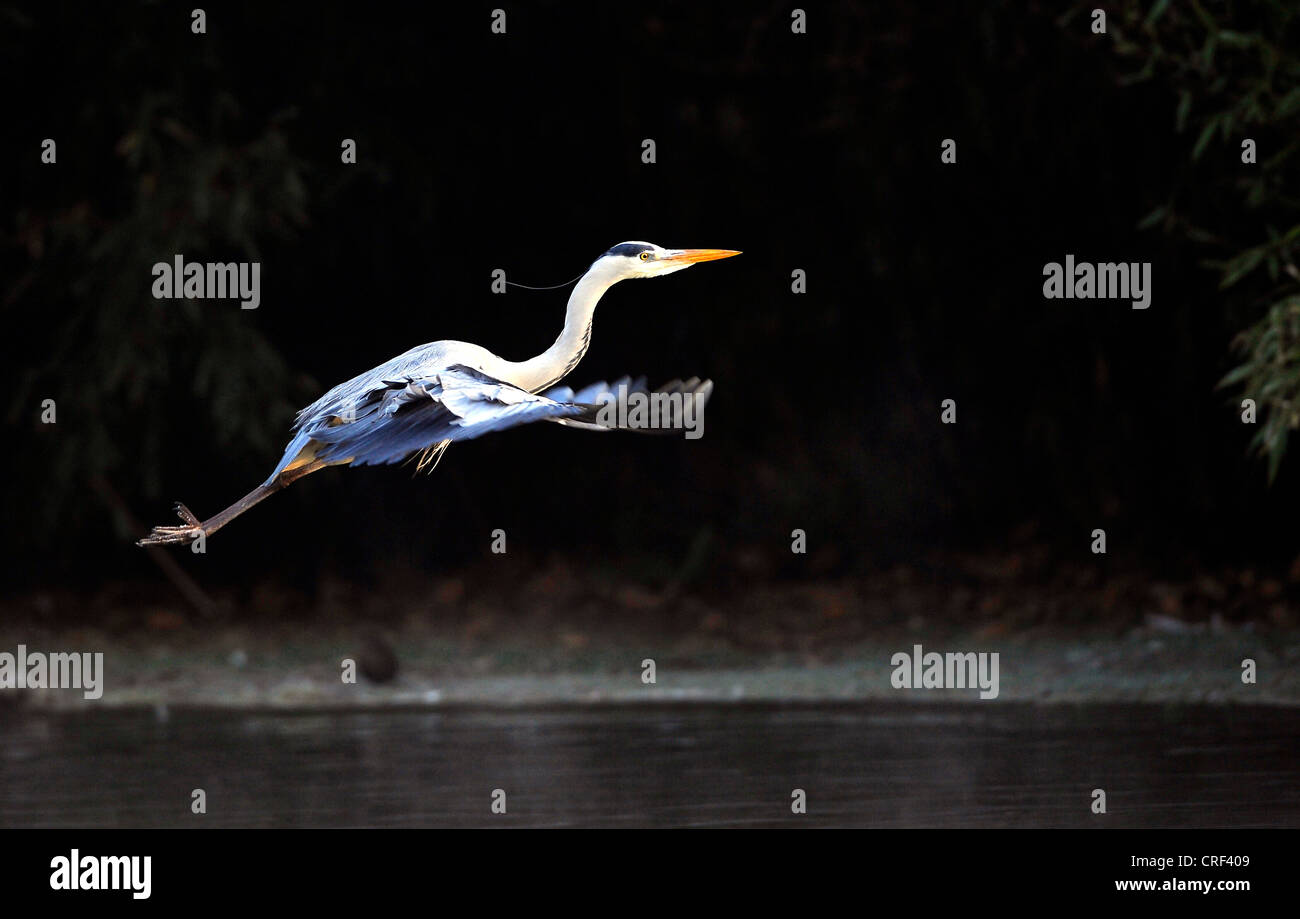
(193, 528)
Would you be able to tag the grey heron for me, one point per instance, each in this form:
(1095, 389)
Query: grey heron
(420, 402)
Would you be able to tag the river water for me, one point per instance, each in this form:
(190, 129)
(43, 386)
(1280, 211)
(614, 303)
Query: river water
(932, 765)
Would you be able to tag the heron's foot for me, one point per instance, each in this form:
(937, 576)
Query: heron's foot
(170, 536)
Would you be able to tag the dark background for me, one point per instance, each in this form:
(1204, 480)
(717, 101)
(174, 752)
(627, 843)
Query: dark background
(522, 151)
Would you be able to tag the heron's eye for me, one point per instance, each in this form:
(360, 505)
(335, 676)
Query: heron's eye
(645, 256)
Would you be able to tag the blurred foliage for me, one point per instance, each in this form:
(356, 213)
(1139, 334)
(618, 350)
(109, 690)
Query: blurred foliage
(114, 358)
(1235, 71)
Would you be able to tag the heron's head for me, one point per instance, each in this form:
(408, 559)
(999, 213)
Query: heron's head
(646, 260)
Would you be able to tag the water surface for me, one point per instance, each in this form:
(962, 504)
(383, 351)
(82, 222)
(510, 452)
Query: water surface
(970, 765)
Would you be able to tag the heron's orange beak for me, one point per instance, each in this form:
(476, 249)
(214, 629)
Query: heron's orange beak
(691, 256)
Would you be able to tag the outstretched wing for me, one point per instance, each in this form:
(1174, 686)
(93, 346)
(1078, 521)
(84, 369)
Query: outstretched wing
(396, 418)
(458, 403)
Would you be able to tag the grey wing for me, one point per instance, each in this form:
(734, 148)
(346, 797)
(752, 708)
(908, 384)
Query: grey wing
(379, 421)
(347, 399)
(409, 415)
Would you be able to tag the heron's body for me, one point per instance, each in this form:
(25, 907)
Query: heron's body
(419, 402)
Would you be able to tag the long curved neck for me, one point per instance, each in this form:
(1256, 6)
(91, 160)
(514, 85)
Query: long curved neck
(553, 364)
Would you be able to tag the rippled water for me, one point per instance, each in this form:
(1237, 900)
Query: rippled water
(865, 765)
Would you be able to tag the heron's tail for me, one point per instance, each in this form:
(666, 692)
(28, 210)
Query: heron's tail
(300, 452)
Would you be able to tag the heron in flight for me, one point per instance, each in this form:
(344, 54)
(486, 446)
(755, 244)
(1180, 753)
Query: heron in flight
(420, 402)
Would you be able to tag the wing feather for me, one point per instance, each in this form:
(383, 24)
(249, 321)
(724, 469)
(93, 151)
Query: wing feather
(393, 417)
